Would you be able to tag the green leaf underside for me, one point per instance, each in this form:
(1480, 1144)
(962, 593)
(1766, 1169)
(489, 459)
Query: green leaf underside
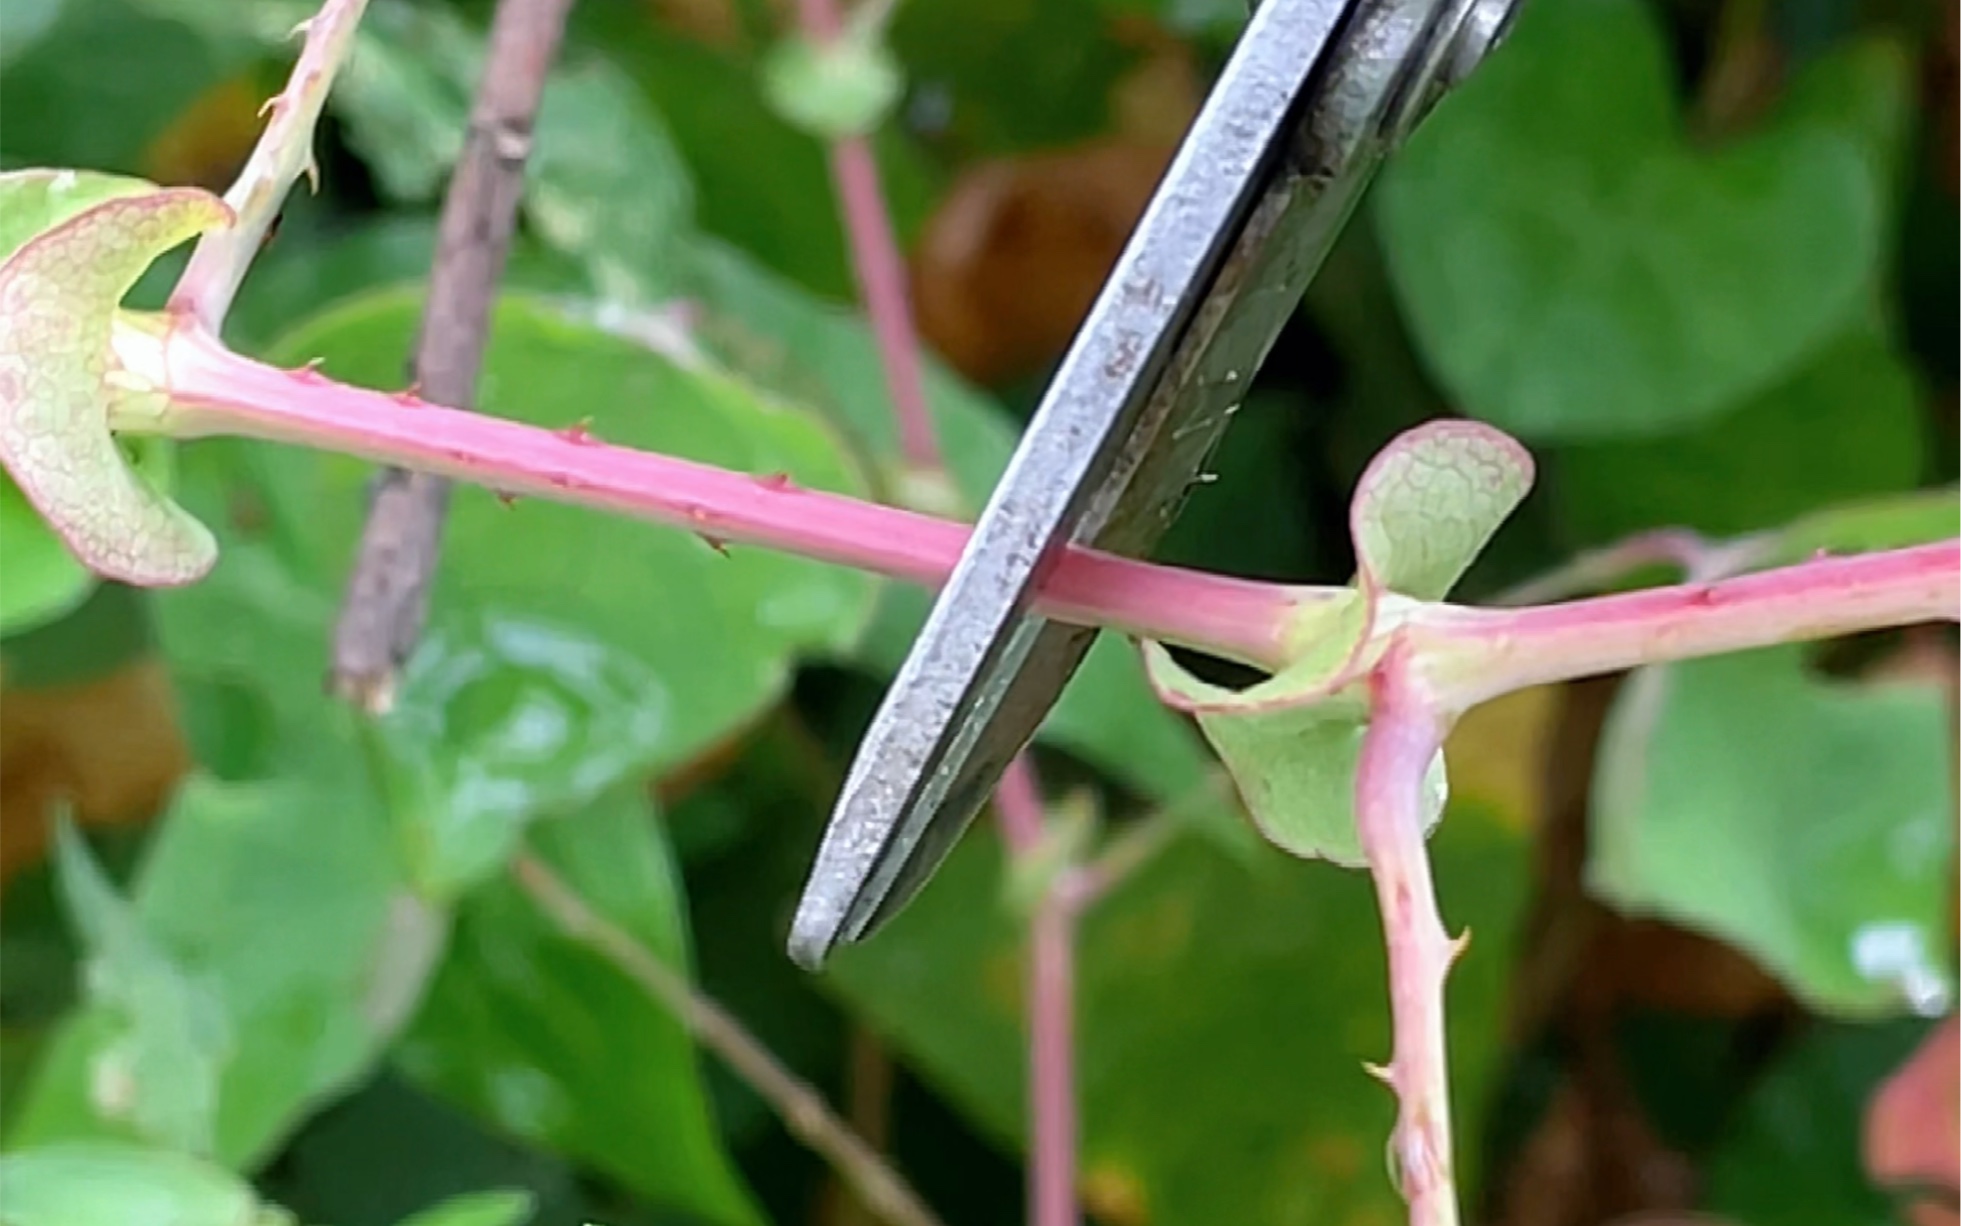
(58, 294)
(1734, 790)
(43, 578)
(1430, 502)
(1422, 512)
(1595, 276)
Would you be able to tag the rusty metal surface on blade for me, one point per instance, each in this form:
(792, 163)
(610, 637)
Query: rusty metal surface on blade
(1269, 172)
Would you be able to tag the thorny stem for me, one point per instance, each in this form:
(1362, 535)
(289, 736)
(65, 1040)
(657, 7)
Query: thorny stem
(1467, 656)
(285, 152)
(1404, 734)
(802, 1109)
(388, 591)
(216, 392)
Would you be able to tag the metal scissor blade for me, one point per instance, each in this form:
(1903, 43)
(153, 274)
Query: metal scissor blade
(1241, 221)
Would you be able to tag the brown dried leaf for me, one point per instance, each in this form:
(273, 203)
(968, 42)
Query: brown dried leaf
(110, 747)
(1011, 260)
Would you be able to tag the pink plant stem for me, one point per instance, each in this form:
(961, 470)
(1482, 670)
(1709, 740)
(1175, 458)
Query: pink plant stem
(215, 392)
(1403, 737)
(284, 152)
(881, 277)
(878, 266)
(1469, 656)
(1051, 1008)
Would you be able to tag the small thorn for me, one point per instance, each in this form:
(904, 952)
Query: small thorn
(1384, 1073)
(1458, 944)
(312, 172)
(1820, 554)
(579, 431)
(302, 30)
(714, 542)
(269, 105)
(774, 481)
(308, 371)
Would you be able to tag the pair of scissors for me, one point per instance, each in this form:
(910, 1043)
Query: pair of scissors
(1315, 94)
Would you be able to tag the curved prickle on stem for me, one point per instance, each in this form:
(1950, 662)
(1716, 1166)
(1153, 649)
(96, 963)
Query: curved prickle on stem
(59, 292)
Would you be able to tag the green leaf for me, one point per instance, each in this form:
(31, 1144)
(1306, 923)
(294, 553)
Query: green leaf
(44, 581)
(1806, 822)
(1793, 1155)
(58, 296)
(1294, 761)
(292, 281)
(1845, 426)
(478, 1209)
(1593, 275)
(1919, 518)
(1423, 510)
(528, 1028)
(23, 23)
(105, 81)
(35, 201)
(719, 633)
(846, 87)
(607, 185)
(307, 858)
(1430, 501)
(760, 182)
(501, 721)
(167, 1034)
(1219, 1082)
(404, 95)
(124, 1185)
(1017, 75)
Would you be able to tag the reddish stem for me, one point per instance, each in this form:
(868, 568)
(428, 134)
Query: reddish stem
(1403, 737)
(1468, 656)
(216, 392)
(878, 266)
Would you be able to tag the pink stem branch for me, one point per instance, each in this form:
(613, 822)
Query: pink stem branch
(284, 153)
(1051, 1008)
(878, 266)
(1468, 656)
(881, 276)
(1403, 737)
(216, 392)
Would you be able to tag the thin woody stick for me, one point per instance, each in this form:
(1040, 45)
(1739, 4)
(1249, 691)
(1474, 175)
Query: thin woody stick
(388, 592)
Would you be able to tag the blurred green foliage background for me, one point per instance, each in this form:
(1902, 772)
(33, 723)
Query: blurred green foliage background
(1700, 256)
